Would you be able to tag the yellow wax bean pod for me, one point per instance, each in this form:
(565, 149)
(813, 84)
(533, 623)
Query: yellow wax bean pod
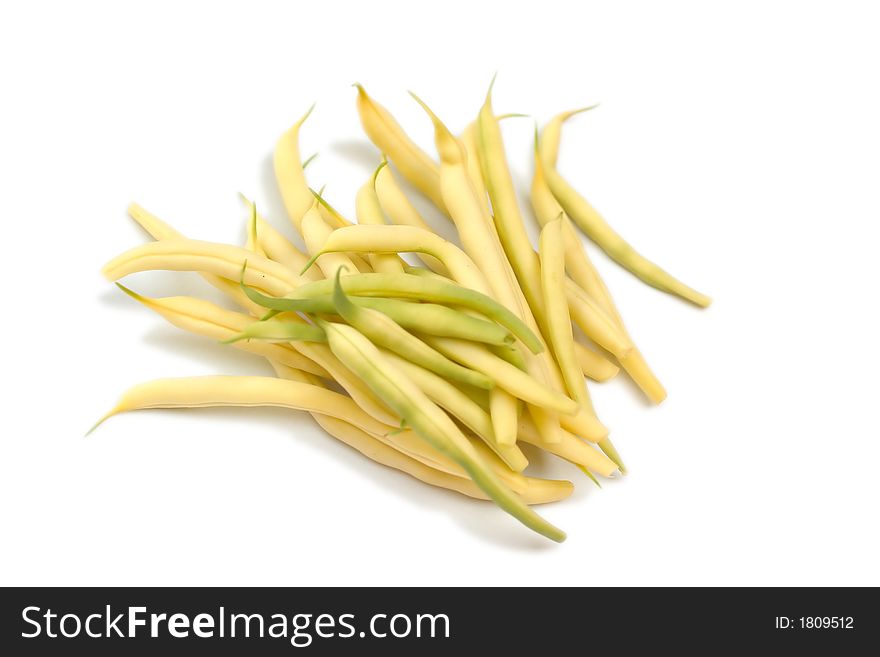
(315, 233)
(160, 230)
(383, 331)
(246, 391)
(571, 448)
(277, 247)
(206, 391)
(597, 229)
(428, 420)
(504, 413)
(401, 212)
(210, 320)
(578, 263)
(397, 239)
(460, 406)
(195, 255)
(505, 375)
(594, 365)
(385, 132)
(290, 175)
(558, 320)
(508, 220)
(369, 213)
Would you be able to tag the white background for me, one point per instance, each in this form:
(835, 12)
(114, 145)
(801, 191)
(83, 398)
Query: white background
(737, 144)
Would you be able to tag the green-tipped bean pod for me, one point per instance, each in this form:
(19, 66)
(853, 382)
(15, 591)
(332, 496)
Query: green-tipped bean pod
(597, 229)
(385, 132)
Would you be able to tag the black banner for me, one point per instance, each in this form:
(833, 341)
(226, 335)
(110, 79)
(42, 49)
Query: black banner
(277, 621)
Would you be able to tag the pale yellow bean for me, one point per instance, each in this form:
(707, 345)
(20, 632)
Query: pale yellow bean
(597, 229)
(290, 175)
(558, 321)
(578, 263)
(160, 230)
(385, 132)
(194, 255)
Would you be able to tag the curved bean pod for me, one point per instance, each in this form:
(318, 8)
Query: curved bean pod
(578, 263)
(290, 175)
(505, 207)
(385, 132)
(559, 323)
(195, 255)
(598, 230)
